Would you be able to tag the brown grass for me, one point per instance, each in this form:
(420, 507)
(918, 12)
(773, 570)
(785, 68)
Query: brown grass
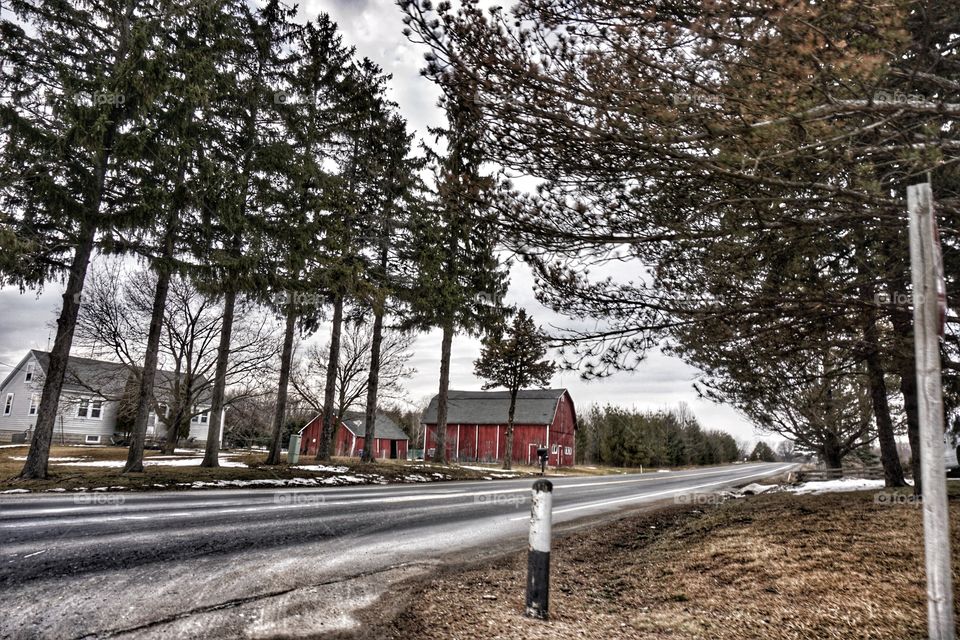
(775, 566)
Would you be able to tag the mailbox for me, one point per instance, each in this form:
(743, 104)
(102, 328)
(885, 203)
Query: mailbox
(544, 454)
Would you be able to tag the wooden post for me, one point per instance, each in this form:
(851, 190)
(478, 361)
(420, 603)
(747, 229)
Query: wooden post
(925, 266)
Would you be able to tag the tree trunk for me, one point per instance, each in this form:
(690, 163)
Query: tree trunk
(35, 468)
(831, 453)
(329, 393)
(285, 360)
(906, 366)
(149, 372)
(373, 382)
(889, 456)
(508, 450)
(211, 456)
(440, 455)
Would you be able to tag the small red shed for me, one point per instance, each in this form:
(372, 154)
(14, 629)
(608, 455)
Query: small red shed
(389, 439)
(477, 426)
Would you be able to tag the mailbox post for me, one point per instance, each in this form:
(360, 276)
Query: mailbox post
(543, 454)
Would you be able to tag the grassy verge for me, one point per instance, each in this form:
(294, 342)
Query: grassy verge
(71, 470)
(776, 566)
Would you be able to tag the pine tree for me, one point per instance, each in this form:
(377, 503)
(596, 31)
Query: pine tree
(459, 279)
(514, 360)
(75, 78)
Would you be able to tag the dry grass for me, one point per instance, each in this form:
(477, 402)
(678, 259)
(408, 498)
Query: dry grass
(158, 477)
(772, 566)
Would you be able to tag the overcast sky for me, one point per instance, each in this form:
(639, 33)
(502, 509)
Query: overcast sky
(375, 28)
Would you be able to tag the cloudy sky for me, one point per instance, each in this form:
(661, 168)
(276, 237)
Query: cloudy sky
(375, 28)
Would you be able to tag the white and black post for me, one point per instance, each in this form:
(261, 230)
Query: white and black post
(929, 311)
(538, 557)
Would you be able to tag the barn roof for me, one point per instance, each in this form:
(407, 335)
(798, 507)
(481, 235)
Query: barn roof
(383, 427)
(534, 406)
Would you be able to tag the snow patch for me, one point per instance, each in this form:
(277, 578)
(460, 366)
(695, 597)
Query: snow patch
(16, 491)
(831, 486)
(321, 467)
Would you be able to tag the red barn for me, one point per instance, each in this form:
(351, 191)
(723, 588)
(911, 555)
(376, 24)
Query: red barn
(389, 439)
(477, 426)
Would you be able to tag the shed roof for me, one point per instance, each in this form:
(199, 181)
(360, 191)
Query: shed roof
(383, 427)
(534, 406)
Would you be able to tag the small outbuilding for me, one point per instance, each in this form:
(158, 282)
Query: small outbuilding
(477, 426)
(390, 442)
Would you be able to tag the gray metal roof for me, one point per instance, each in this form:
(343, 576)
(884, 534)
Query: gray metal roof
(383, 427)
(110, 379)
(534, 406)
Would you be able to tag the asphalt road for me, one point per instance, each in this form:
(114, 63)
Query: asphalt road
(271, 563)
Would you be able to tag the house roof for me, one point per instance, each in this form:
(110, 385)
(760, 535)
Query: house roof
(109, 379)
(534, 406)
(383, 427)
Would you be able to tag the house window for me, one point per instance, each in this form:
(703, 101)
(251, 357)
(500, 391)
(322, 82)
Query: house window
(34, 401)
(201, 418)
(28, 376)
(83, 407)
(8, 405)
(92, 440)
(568, 451)
(96, 409)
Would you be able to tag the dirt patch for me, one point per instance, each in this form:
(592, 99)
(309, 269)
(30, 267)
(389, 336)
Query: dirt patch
(769, 566)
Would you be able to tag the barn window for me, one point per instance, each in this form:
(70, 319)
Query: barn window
(554, 449)
(83, 407)
(8, 405)
(568, 451)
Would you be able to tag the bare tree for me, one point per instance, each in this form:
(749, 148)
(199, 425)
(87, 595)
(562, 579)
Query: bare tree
(114, 323)
(354, 365)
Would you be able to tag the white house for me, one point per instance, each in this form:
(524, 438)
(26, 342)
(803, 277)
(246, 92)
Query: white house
(92, 393)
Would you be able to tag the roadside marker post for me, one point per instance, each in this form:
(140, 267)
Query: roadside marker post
(538, 555)
(928, 316)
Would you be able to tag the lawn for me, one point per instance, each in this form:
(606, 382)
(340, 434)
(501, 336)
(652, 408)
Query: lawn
(74, 468)
(772, 566)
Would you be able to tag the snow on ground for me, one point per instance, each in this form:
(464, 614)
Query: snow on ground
(11, 446)
(151, 461)
(16, 491)
(830, 486)
(320, 467)
(54, 459)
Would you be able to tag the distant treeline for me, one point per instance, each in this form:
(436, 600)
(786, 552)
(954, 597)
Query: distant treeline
(628, 438)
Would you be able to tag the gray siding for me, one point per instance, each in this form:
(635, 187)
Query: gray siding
(72, 427)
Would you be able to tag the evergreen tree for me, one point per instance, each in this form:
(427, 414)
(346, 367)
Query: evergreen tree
(75, 77)
(514, 360)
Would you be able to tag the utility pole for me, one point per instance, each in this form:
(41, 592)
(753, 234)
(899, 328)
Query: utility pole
(929, 307)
